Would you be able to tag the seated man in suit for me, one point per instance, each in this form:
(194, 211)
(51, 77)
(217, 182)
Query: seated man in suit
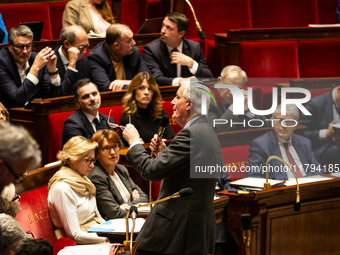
(232, 75)
(86, 120)
(173, 59)
(282, 142)
(115, 61)
(71, 62)
(325, 112)
(25, 74)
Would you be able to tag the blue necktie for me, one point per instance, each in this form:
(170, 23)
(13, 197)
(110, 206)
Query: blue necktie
(173, 67)
(98, 126)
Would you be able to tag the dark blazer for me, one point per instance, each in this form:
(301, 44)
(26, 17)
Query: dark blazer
(156, 56)
(102, 70)
(78, 124)
(267, 145)
(13, 93)
(108, 196)
(218, 112)
(185, 225)
(68, 77)
(321, 108)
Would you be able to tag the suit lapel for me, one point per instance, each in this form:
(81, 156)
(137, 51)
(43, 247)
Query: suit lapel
(60, 64)
(186, 51)
(299, 150)
(275, 148)
(166, 58)
(86, 123)
(329, 109)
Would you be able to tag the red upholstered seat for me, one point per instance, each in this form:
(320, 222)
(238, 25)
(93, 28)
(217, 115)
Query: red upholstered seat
(13, 15)
(156, 186)
(327, 11)
(319, 58)
(284, 13)
(62, 243)
(133, 14)
(116, 112)
(56, 124)
(56, 10)
(269, 59)
(236, 159)
(218, 16)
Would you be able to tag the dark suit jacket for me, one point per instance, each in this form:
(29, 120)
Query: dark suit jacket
(185, 225)
(267, 145)
(13, 93)
(108, 196)
(156, 56)
(321, 108)
(68, 77)
(78, 124)
(102, 70)
(218, 112)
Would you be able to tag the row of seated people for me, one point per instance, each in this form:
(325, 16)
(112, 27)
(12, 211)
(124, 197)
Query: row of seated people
(111, 64)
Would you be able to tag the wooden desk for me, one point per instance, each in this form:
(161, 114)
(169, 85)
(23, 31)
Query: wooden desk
(228, 44)
(278, 229)
(141, 41)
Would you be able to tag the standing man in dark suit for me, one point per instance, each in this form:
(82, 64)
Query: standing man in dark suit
(232, 75)
(294, 149)
(26, 75)
(325, 112)
(86, 120)
(185, 225)
(173, 59)
(71, 62)
(115, 61)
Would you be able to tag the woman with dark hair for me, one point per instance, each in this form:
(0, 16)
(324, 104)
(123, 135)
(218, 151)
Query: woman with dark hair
(115, 190)
(143, 108)
(92, 15)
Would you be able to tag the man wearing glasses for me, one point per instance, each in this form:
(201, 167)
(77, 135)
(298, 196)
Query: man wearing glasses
(26, 75)
(71, 62)
(87, 120)
(282, 142)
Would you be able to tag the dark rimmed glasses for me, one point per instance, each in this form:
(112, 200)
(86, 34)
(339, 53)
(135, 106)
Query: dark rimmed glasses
(21, 47)
(114, 125)
(17, 197)
(82, 47)
(89, 160)
(107, 149)
(10, 169)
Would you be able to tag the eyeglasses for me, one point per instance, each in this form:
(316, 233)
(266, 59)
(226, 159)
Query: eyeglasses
(90, 160)
(114, 125)
(21, 47)
(15, 198)
(82, 47)
(287, 123)
(108, 149)
(17, 177)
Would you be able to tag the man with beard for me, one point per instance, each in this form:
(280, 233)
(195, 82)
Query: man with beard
(86, 120)
(26, 75)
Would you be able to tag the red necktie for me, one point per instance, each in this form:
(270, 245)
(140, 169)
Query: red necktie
(295, 168)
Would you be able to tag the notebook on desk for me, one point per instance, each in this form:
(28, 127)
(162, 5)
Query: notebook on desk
(153, 25)
(36, 28)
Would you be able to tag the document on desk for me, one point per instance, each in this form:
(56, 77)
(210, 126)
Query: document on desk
(258, 183)
(102, 249)
(309, 179)
(117, 226)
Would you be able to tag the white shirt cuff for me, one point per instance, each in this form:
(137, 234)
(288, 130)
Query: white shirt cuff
(175, 82)
(55, 81)
(322, 134)
(72, 69)
(32, 78)
(194, 68)
(134, 143)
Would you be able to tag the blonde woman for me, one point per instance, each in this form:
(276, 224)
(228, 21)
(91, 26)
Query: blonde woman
(71, 197)
(95, 15)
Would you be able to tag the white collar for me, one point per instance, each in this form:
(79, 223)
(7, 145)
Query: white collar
(179, 48)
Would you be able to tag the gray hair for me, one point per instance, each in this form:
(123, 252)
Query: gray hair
(8, 192)
(291, 110)
(20, 30)
(17, 144)
(232, 69)
(114, 33)
(194, 92)
(69, 33)
(11, 231)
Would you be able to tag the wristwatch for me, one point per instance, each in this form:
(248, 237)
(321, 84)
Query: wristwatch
(54, 73)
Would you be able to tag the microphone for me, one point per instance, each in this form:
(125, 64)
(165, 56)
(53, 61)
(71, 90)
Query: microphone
(246, 224)
(134, 212)
(162, 126)
(182, 193)
(201, 33)
(297, 204)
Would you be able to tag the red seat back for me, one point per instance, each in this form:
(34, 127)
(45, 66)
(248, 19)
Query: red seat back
(15, 14)
(57, 10)
(236, 159)
(168, 109)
